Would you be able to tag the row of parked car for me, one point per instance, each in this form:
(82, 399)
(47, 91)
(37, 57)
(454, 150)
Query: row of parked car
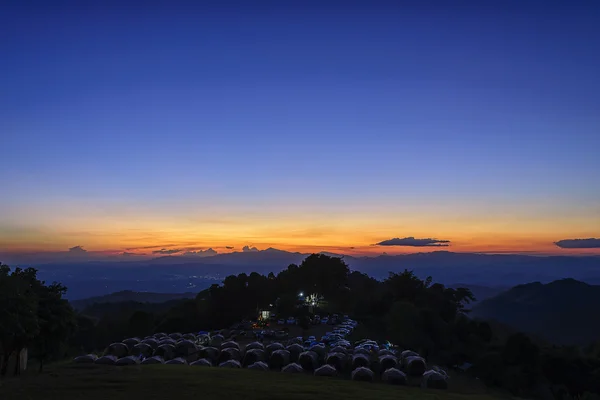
(315, 320)
(337, 337)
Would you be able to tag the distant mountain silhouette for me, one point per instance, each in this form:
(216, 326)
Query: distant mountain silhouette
(503, 270)
(128, 296)
(484, 269)
(564, 311)
(172, 274)
(269, 257)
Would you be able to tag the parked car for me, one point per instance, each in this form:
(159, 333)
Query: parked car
(281, 322)
(370, 347)
(291, 321)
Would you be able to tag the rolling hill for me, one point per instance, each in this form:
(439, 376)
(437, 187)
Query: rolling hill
(562, 312)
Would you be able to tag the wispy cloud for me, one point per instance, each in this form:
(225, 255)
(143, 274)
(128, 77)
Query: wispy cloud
(229, 247)
(166, 251)
(413, 242)
(589, 243)
(156, 246)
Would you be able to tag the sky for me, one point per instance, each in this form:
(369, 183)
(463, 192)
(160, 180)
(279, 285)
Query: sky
(304, 126)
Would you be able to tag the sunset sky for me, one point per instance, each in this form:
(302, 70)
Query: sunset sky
(300, 126)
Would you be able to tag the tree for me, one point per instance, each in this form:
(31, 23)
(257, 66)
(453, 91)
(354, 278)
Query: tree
(403, 321)
(18, 314)
(141, 323)
(56, 320)
(32, 315)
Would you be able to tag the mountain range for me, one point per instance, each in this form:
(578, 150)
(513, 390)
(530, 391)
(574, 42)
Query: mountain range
(174, 274)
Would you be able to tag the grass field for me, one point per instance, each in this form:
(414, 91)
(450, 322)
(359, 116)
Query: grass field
(89, 382)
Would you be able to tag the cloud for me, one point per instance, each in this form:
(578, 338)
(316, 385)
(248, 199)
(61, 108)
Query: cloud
(589, 243)
(229, 247)
(152, 247)
(411, 241)
(201, 253)
(126, 253)
(77, 249)
(165, 251)
(248, 249)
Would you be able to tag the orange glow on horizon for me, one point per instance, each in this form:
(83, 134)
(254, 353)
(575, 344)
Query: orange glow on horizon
(342, 230)
(147, 249)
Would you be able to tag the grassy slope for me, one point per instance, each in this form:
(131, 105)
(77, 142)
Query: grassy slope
(182, 382)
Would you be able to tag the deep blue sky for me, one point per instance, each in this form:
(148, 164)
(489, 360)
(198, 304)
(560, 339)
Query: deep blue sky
(373, 104)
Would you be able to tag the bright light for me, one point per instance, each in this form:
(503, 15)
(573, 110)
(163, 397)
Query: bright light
(301, 294)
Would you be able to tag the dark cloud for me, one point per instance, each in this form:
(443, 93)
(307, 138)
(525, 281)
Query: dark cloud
(248, 249)
(165, 251)
(411, 241)
(77, 249)
(589, 243)
(229, 247)
(202, 253)
(126, 253)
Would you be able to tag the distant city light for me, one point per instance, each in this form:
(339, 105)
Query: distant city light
(301, 294)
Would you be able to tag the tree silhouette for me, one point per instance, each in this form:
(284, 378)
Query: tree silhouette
(33, 315)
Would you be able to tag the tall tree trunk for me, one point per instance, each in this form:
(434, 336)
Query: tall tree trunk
(18, 363)
(41, 364)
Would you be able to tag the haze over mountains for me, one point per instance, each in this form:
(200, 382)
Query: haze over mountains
(185, 273)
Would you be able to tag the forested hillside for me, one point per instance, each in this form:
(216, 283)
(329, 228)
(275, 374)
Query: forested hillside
(563, 311)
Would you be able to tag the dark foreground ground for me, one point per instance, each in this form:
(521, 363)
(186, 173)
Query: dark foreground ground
(77, 382)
